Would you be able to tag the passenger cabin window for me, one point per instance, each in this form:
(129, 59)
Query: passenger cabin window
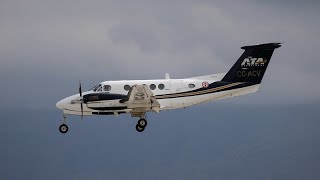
(107, 88)
(191, 86)
(161, 86)
(126, 87)
(153, 86)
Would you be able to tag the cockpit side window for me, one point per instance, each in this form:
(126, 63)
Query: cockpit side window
(97, 88)
(93, 88)
(107, 88)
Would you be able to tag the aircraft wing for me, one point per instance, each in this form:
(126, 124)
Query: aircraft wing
(141, 99)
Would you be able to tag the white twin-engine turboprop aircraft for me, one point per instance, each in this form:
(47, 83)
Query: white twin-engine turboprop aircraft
(138, 97)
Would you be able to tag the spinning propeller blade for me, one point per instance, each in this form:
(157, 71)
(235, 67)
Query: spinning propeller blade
(80, 91)
(81, 105)
(81, 111)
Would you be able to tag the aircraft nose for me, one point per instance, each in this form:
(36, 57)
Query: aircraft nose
(60, 104)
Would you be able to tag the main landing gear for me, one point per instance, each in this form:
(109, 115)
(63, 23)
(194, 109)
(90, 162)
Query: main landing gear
(63, 128)
(141, 125)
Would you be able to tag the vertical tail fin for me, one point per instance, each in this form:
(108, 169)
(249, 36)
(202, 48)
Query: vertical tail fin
(252, 64)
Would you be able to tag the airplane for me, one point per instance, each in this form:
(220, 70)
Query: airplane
(139, 97)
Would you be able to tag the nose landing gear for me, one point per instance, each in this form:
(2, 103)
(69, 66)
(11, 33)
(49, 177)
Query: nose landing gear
(63, 128)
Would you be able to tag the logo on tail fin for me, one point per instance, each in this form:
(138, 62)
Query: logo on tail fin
(251, 62)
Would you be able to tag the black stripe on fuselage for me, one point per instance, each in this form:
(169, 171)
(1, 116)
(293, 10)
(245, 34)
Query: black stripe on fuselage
(107, 113)
(94, 97)
(212, 88)
(115, 108)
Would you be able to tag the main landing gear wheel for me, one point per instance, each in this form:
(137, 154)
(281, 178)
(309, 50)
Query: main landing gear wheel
(63, 128)
(139, 129)
(142, 122)
(141, 125)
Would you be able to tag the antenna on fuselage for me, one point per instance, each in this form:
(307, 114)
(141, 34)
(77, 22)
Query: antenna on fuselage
(167, 76)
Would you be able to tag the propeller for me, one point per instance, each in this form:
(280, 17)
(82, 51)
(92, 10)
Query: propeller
(81, 105)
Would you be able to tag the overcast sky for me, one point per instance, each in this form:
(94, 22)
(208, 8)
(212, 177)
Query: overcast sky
(46, 46)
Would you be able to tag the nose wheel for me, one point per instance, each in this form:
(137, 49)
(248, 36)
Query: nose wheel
(63, 128)
(141, 125)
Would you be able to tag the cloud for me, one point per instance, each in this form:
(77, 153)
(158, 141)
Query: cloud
(50, 45)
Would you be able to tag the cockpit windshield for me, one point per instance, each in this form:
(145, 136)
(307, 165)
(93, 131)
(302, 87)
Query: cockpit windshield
(96, 88)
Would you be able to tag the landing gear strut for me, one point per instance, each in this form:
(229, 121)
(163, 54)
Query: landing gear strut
(141, 125)
(63, 128)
